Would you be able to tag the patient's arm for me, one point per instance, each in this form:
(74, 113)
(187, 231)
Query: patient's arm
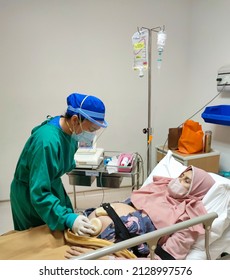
(75, 251)
(179, 243)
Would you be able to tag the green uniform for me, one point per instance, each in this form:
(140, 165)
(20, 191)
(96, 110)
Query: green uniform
(37, 194)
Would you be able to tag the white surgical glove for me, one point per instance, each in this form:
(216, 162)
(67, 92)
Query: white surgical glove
(82, 226)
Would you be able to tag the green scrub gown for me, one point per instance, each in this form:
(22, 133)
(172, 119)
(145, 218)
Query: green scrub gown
(37, 194)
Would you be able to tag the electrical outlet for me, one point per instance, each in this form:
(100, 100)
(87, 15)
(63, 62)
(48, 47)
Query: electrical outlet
(225, 79)
(223, 82)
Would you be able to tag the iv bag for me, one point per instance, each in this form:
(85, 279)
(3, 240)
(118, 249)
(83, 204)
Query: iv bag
(161, 37)
(140, 51)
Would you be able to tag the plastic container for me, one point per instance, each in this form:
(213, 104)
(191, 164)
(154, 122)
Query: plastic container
(219, 114)
(109, 181)
(128, 159)
(78, 178)
(225, 174)
(125, 161)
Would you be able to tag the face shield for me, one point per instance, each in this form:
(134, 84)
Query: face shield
(92, 126)
(89, 134)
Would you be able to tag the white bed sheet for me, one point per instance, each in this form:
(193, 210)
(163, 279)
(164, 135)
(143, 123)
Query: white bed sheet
(216, 200)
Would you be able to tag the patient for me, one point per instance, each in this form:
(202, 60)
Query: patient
(162, 203)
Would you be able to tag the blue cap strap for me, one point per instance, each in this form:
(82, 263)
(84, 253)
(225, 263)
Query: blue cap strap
(90, 115)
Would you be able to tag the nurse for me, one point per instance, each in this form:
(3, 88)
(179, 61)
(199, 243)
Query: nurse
(37, 193)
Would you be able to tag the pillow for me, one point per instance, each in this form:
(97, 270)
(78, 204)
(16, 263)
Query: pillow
(167, 167)
(216, 200)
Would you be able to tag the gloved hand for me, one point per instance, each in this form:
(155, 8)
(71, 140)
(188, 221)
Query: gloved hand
(82, 226)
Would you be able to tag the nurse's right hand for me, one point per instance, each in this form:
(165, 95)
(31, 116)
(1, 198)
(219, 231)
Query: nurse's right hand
(82, 226)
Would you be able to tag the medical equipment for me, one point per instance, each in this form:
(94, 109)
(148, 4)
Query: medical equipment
(107, 174)
(142, 44)
(125, 162)
(223, 78)
(161, 38)
(140, 51)
(88, 158)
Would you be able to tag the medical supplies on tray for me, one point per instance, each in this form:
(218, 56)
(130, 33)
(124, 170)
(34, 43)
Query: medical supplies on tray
(125, 162)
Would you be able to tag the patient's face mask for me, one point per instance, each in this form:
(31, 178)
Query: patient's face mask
(176, 189)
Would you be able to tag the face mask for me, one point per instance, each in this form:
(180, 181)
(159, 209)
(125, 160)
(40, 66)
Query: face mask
(85, 138)
(176, 189)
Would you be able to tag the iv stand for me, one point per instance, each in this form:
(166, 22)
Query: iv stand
(148, 130)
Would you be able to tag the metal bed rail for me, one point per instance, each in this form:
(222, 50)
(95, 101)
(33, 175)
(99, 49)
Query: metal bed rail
(152, 238)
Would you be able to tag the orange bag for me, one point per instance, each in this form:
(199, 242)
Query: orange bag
(191, 139)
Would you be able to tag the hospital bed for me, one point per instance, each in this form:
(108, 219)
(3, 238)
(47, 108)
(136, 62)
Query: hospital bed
(216, 222)
(42, 243)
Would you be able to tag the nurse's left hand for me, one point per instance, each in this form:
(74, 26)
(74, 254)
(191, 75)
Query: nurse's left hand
(82, 226)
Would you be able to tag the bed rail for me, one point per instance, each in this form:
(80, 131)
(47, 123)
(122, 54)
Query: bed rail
(152, 238)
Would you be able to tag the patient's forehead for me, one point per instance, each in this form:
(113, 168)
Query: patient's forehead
(188, 173)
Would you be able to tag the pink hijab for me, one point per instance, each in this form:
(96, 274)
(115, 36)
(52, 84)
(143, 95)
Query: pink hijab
(164, 210)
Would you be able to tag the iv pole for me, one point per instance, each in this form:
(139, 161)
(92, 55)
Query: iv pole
(148, 130)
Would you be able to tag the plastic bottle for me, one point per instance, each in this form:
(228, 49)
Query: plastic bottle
(125, 161)
(207, 141)
(161, 38)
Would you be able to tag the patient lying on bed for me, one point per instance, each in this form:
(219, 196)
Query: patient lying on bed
(162, 203)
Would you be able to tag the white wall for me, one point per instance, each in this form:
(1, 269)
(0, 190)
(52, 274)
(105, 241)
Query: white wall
(50, 48)
(209, 46)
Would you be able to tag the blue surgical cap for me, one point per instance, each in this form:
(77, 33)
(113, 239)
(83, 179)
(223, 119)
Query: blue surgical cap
(90, 107)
